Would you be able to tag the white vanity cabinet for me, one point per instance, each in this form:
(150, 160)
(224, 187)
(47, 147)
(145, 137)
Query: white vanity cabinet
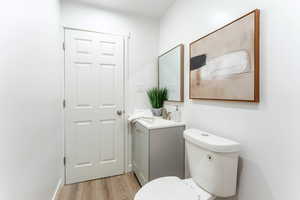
(157, 149)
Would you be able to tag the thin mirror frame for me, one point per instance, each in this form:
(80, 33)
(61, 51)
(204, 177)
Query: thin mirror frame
(181, 84)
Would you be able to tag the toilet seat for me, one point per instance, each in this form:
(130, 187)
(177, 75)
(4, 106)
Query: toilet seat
(172, 188)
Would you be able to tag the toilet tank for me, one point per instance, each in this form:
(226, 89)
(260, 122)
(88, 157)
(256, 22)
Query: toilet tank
(213, 162)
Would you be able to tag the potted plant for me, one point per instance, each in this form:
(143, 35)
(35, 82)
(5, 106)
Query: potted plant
(157, 98)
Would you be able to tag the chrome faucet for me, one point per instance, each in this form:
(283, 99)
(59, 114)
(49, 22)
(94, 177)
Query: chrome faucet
(165, 114)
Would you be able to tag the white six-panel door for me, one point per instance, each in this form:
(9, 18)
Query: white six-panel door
(94, 94)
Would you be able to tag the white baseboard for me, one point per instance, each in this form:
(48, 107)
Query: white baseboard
(129, 168)
(58, 188)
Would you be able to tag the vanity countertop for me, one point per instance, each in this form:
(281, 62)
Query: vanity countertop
(158, 123)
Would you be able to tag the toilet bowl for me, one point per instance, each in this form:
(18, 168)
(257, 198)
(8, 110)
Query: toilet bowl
(213, 164)
(172, 188)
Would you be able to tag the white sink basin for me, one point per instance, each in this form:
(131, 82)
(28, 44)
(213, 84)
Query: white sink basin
(157, 123)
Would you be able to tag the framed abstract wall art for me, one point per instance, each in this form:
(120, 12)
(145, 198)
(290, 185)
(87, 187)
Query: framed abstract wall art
(224, 65)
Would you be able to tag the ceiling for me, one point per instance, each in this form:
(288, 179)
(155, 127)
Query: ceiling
(151, 8)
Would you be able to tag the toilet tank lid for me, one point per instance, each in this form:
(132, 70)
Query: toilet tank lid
(211, 142)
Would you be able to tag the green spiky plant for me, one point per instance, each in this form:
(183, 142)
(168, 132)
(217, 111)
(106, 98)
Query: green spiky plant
(157, 97)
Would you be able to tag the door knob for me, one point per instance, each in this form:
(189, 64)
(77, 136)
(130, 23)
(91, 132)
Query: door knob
(119, 112)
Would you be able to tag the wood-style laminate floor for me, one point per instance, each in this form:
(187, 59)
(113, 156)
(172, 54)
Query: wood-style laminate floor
(122, 187)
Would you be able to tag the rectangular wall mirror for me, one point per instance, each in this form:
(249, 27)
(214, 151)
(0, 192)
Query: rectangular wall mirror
(171, 73)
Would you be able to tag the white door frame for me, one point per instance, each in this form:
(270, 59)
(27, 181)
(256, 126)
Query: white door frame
(126, 66)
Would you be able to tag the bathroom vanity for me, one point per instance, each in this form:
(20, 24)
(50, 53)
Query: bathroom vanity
(157, 149)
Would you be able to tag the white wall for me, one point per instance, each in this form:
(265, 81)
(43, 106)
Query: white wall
(270, 167)
(30, 100)
(143, 44)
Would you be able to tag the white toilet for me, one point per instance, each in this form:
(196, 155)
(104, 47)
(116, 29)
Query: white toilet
(213, 163)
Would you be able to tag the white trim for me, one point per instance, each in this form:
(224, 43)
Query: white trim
(64, 98)
(58, 189)
(129, 167)
(127, 149)
(127, 35)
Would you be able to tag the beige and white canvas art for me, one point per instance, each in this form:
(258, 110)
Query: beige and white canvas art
(223, 64)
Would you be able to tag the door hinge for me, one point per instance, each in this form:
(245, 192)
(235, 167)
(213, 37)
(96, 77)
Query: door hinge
(64, 103)
(64, 46)
(64, 160)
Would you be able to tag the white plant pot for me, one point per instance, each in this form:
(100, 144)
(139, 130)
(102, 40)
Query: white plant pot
(157, 112)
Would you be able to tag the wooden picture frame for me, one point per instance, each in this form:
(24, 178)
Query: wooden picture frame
(181, 71)
(214, 89)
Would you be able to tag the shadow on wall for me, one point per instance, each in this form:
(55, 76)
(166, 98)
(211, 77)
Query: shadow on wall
(227, 104)
(261, 184)
(240, 170)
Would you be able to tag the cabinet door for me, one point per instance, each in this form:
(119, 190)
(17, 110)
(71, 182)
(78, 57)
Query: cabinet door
(141, 153)
(166, 152)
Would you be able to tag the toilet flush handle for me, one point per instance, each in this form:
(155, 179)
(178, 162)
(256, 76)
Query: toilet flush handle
(209, 157)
